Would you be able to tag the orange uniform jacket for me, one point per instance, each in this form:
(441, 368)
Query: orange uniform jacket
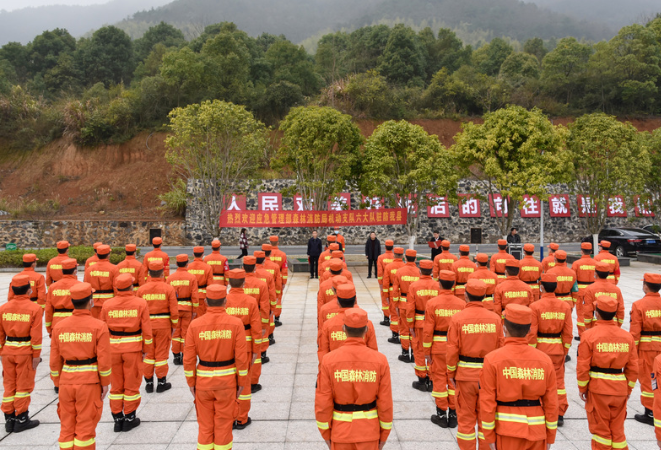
(498, 260)
(38, 285)
(219, 265)
(244, 307)
(489, 278)
(325, 266)
(646, 323)
(657, 397)
(326, 313)
(101, 276)
(161, 299)
(443, 261)
(325, 256)
(127, 317)
(280, 258)
(548, 263)
(606, 257)
(58, 301)
(511, 290)
(404, 277)
(91, 261)
(566, 282)
(81, 338)
(438, 315)
(274, 270)
(216, 338)
(327, 275)
(370, 387)
(608, 348)
(584, 269)
(204, 274)
(530, 273)
(333, 336)
(599, 288)
(512, 373)
(473, 333)
(389, 277)
(132, 266)
(420, 292)
(462, 268)
(264, 275)
(381, 263)
(54, 269)
(20, 327)
(551, 329)
(186, 290)
(326, 294)
(157, 255)
(259, 290)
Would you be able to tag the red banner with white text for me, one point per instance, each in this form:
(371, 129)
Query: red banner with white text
(361, 217)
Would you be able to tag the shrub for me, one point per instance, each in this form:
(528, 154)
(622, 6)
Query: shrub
(14, 258)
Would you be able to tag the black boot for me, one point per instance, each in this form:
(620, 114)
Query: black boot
(385, 322)
(271, 340)
(277, 323)
(647, 418)
(10, 419)
(265, 359)
(420, 385)
(255, 388)
(404, 357)
(119, 421)
(561, 421)
(178, 359)
(130, 422)
(440, 418)
(452, 418)
(163, 385)
(395, 338)
(430, 385)
(567, 358)
(56, 389)
(149, 385)
(23, 423)
(577, 338)
(240, 426)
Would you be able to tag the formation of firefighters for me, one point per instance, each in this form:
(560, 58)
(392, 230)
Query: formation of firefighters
(488, 340)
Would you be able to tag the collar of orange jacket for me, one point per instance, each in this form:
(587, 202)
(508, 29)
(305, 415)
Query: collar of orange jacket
(82, 312)
(609, 323)
(516, 341)
(216, 310)
(354, 341)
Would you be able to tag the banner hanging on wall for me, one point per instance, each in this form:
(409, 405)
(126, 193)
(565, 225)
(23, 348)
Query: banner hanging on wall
(360, 217)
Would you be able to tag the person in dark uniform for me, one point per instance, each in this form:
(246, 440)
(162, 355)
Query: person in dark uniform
(372, 252)
(513, 237)
(436, 250)
(314, 251)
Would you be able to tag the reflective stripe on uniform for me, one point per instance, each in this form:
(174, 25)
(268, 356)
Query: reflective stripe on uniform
(127, 339)
(520, 418)
(356, 415)
(322, 425)
(608, 376)
(466, 436)
(215, 373)
(86, 443)
(75, 369)
(601, 440)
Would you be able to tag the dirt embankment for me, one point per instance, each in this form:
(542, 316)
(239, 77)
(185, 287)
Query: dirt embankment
(124, 181)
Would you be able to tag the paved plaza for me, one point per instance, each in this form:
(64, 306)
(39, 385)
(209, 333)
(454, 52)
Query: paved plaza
(283, 412)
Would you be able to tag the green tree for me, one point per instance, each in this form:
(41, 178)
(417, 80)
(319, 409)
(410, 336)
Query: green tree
(46, 49)
(403, 61)
(367, 46)
(217, 146)
(320, 146)
(653, 180)
(370, 94)
(402, 163)
(447, 94)
(183, 70)
(565, 68)
(515, 152)
(164, 34)
(609, 158)
(7, 76)
(451, 52)
(278, 98)
(108, 57)
(17, 55)
(291, 63)
(332, 56)
(227, 61)
(490, 57)
(536, 47)
(519, 68)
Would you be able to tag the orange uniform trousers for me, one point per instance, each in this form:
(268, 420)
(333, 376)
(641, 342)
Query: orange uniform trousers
(645, 369)
(419, 354)
(394, 316)
(125, 381)
(268, 328)
(559, 365)
(443, 395)
(385, 308)
(606, 414)
(512, 443)
(79, 410)
(18, 381)
(256, 368)
(156, 359)
(245, 399)
(216, 413)
(468, 412)
(181, 327)
(372, 445)
(404, 334)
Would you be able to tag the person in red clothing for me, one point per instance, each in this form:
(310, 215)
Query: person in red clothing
(551, 332)
(188, 303)
(462, 268)
(101, 276)
(388, 282)
(606, 370)
(601, 286)
(340, 239)
(512, 289)
(243, 306)
(127, 318)
(157, 255)
(336, 254)
(443, 260)
(37, 281)
(266, 276)
(272, 268)
(280, 258)
(204, 274)
(330, 309)
(531, 270)
(567, 285)
(548, 262)
(161, 299)
(354, 413)
(20, 351)
(94, 258)
(326, 292)
(133, 267)
(646, 331)
(80, 356)
(219, 263)
(518, 399)
(259, 290)
(584, 269)
(216, 368)
(404, 277)
(326, 255)
(499, 259)
(438, 313)
(54, 266)
(336, 267)
(489, 278)
(420, 292)
(473, 333)
(382, 261)
(607, 257)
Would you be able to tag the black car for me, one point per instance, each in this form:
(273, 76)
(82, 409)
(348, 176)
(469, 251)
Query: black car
(656, 229)
(625, 240)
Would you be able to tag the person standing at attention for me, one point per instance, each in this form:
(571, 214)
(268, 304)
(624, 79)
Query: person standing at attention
(372, 252)
(243, 243)
(314, 251)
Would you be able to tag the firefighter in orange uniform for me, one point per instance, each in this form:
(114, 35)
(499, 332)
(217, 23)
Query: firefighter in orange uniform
(489, 278)
(326, 292)
(518, 399)
(54, 267)
(219, 263)
(382, 261)
(551, 332)
(272, 268)
(204, 274)
(244, 307)
(332, 308)
(606, 370)
(354, 413)
(531, 270)
(601, 286)
(548, 262)
(266, 276)
(280, 258)
(157, 255)
(567, 285)
(336, 254)
(340, 239)
(607, 257)
(327, 255)
(462, 268)
(474, 332)
(388, 282)
(512, 289)
(188, 303)
(584, 269)
(404, 277)
(161, 299)
(443, 260)
(646, 331)
(101, 275)
(259, 290)
(20, 351)
(127, 317)
(133, 267)
(420, 292)
(336, 267)
(37, 281)
(216, 368)
(80, 356)
(498, 260)
(438, 313)
(94, 258)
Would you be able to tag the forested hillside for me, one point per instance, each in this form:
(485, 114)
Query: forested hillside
(614, 13)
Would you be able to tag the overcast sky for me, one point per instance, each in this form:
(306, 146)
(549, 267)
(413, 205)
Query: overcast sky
(16, 4)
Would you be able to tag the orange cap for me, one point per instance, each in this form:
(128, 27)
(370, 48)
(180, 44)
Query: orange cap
(447, 275)
(549, 278)
(198, 249)
(606, 303)
(96, 245)
(274, 239)
(553, 246)
(215, 243)
(346, 291)
(586, 246)
(528, 248)
(123, 281)
(653, 278)
(337, 254)
(512, 263)
(336, 265)
(519, 314)
(464, 248)
(331, 238)
(355, 318)
(30, 258)
(131, 247)
(156, 265)
(334, 247)
(476, 287)
(602, 267)
(63, 244)
(267, 247)
(482, 258)
(445, 244)
(236, 274)
(412, 253)
(426, 264)
(338, 280)
(389, 242)
(398, 250)
(259, 254)
(157, 241)
(502, 242)
(605, 244)
(336, 228)
(561, 255)
(69, 263)
(20, 280)
(103, 250)
(216, 292)
(80, 291)
(182, 258)
(249, 260)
